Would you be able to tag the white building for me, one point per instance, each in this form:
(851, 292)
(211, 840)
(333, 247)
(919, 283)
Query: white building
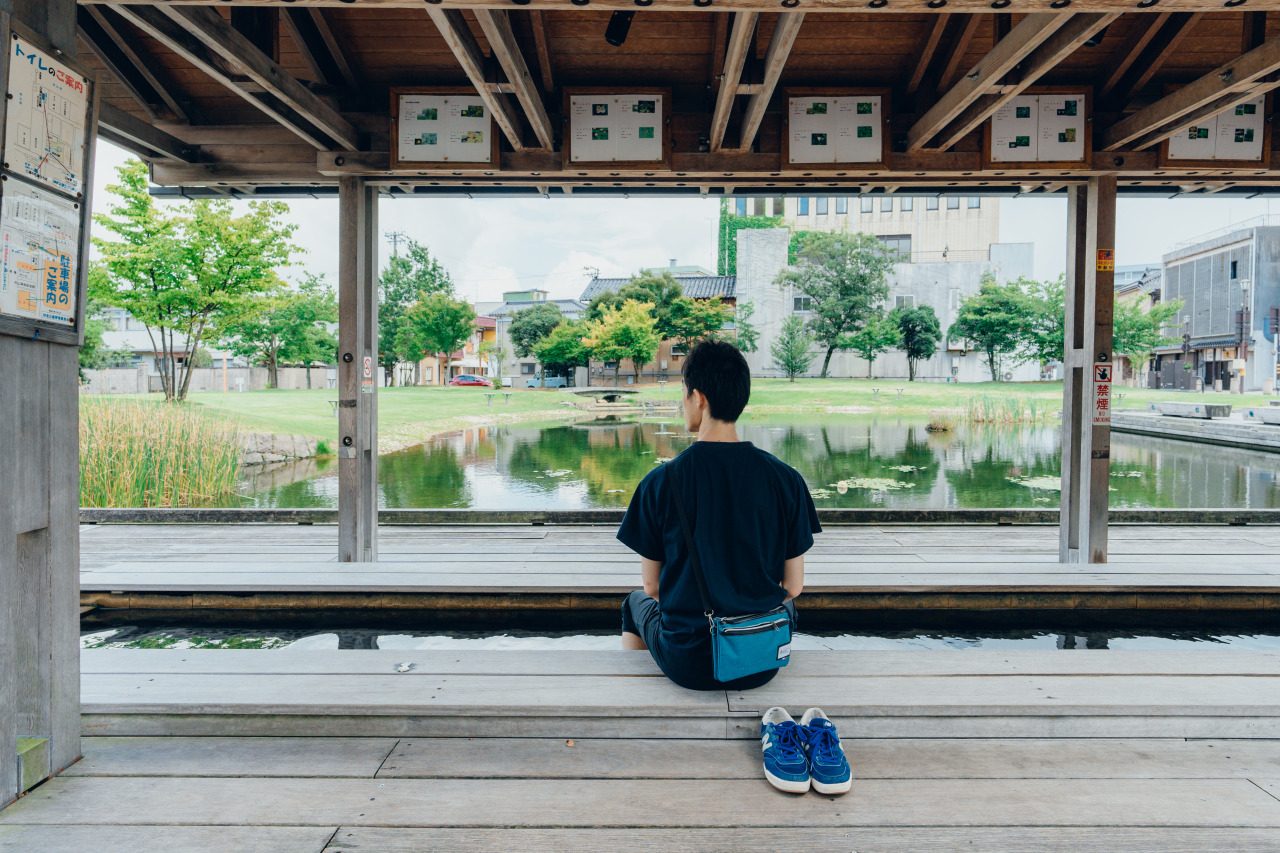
(516, 370)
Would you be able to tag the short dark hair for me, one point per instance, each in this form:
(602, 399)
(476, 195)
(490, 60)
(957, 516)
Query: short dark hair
(719, 370)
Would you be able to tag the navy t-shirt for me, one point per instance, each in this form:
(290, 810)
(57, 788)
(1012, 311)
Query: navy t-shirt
(749, 512)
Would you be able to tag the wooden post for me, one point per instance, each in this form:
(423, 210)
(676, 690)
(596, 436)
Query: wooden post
(1086, 439)
(40, 500)
(358, 372)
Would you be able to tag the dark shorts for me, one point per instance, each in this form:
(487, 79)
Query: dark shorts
(640, 616)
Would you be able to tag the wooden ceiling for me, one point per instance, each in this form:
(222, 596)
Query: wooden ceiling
(264, 96)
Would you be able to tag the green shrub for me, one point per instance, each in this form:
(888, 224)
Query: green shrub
(136, 453)
(1003, 409)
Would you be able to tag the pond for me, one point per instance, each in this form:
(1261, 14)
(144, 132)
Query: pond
(849, 461)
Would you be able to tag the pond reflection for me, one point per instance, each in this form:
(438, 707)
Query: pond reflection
(848, 461)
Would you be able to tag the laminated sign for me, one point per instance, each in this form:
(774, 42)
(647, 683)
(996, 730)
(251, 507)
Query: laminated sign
(1102, 393)
(366, 377)
(1106, 260)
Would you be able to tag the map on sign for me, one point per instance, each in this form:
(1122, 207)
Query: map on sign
(45, 128)
(39, 245)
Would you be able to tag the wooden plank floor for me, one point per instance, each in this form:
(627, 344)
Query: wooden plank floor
(396, 795)
(292, 558)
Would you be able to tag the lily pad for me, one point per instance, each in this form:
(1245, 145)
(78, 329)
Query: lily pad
(874, 484)
(1048, 483)
(906, 469)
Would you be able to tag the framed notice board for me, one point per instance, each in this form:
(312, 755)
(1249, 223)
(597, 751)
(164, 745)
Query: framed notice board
(1238, 138)
(838, 127)
(1045, 127)
(627, 128)
(442, 127)
(47, 150)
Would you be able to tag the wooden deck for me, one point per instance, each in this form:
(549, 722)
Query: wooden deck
(554, 751)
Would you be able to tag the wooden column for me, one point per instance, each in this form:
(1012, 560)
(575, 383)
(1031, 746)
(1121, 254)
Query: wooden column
(358, 373)
(39, 506)
(1086, 439)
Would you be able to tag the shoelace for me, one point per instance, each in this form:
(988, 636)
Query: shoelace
(789, 742)
(825, 745)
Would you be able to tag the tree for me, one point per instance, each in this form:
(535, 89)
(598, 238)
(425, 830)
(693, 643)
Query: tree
(562, 349)
(288, 328)
(186, 272)
(1138, 328)
(94, 353)
(404, 280)
(436, 324)
(530, 325)
(879, 334)
(696, 320)
(997, 319)
(1047, 318)
(920, 331)
(746, 335)
(625, 332)
(791, 350)
(659, 289)
(845, 278)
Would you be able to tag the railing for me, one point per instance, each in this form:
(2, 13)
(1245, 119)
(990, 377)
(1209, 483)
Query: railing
(1262, 221)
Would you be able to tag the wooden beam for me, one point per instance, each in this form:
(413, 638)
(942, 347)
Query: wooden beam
(1064, 42)
(260, 26)
(297, 23)
(1253, 30)
(775, 59)
(744, 30)
(141, 137)
(163, 28)
(539, 25)
(457, 34)
(502, 43)
(927, 51)
(959, 46)
(1032, 31)
(213, 31)
(1235, 79)
(345, 72)
(122, 56)
(1158, 52)
(1135, 50)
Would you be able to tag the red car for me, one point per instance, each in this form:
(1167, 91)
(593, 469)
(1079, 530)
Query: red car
(468, 379)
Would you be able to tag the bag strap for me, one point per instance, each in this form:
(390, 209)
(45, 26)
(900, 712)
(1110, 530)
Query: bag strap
(673, 486)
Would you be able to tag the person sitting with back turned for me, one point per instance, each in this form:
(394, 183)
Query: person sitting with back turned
(750, 517)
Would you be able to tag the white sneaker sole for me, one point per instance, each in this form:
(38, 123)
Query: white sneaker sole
(786, 785)
(837, 788)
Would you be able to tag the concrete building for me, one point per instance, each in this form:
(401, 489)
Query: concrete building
(1229, 282)
(516, 370)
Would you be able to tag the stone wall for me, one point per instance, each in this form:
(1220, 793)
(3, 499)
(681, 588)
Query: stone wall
(258, 447)
(137, 380)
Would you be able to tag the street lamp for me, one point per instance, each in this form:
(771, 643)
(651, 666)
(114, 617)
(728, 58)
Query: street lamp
(1243, 351)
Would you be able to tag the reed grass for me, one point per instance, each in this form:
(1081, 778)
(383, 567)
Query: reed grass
(1004, 409)
(144, 454)
(942, 421)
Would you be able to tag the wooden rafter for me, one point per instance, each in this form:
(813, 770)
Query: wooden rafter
(927, 51)
(313, 125)
(1029, 34)
(141, 137)
(502, 42)
(135, 70)
(455, 32)
(775, 59)
(719, 43)
(1218, 90)
(1133, 51)
(1163, 46)
(539, 25)
(744, 30)
(1064, 42)
(959, 46)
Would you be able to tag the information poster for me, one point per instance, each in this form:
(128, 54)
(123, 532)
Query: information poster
(1236, 134)
(39, 242)
(453, 128)
(616, 128)
(844, 129)
(45, 126)
(1039, 129)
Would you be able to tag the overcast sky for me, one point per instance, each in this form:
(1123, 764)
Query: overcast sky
(492, 245)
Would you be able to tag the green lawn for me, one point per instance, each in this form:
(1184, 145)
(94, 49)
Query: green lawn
(409, 414)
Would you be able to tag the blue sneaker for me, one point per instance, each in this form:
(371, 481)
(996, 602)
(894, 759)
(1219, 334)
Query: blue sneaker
(783, 744)
(827, 765)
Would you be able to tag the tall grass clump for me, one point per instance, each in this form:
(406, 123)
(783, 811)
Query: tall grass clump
(941, 420)
(1003, 409)
(143, 454)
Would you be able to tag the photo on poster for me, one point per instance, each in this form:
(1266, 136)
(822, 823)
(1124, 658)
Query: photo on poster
(1246, 109)
(865, 108)
(425, 139)
(645, 133)
(473, 136)
(428, 114)
(1244, 134)
(818, 139)
(1195, 132)
(472, 111)
(645, 107)
(599, 109)
(1068, 135)
(865, 131)
(1020, 142)
(599, 134)
(1022, 112)
(816, 108)
(1068, 108)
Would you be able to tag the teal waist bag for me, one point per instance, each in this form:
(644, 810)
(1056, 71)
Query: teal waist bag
(740, 645)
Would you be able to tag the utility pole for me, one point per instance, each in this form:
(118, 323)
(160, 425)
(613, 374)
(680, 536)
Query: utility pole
(395, 237)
